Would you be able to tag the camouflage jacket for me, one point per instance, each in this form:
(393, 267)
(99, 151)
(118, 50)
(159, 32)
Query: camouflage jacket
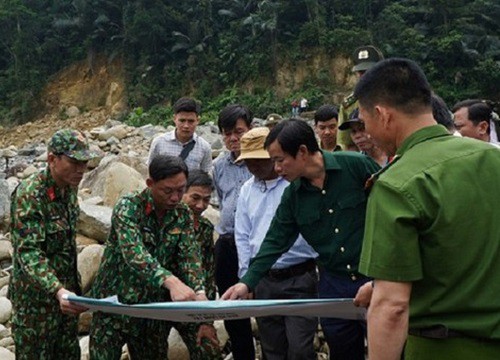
(43, 221)
(346, 108)
(205, 237)
(141, 251)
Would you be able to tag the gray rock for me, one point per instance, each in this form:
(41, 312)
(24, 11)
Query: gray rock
(72, 111)
(6, 354)
(113, 178)
(5, 342)
(5, 250)
(4, 202)
(4, 290)
(84, 348)
(119, 132)
(30, 170)
(88, 264)
(5, 310)
(94, 221)
(4, 332)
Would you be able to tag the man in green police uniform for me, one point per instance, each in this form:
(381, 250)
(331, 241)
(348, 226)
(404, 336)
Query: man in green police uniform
(325, 203)
(43, 221)
(429, 243)
(151, 255)
(364, 58)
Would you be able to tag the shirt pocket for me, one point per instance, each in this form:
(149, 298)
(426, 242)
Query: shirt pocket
(57, 236)
(352, 208)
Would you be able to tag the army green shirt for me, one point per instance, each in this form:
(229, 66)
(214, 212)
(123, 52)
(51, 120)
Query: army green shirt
(331, 219)
(142, 251)
(43, 220)
(433, 220)
(205, 238)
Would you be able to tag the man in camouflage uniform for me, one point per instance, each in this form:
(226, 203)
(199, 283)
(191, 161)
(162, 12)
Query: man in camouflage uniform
(197, 197)
(151, 255)
(364, 58)
(43, 221)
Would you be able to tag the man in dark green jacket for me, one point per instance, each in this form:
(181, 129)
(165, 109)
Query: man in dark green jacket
(326, 203)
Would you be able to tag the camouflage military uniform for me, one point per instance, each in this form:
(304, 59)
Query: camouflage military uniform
(139, 251)
(43, 220)
(346, 108)
(188, 331)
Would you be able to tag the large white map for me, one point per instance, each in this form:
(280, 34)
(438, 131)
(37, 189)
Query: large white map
(200, 311)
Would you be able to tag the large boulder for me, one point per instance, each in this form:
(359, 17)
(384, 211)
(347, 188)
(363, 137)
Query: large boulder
(94, 221)
(6, 354)
(113, 179)
(88, 264)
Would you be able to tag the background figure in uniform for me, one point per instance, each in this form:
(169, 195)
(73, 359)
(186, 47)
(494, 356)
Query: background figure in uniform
(197, 196)
(363, 140)
(293, 276)
(44, 212)
(229, 176)
(183, 141)
(364, 58)
(151, 255)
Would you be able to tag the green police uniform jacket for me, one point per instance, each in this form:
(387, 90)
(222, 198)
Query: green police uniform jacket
(43, 221)
(141, 251)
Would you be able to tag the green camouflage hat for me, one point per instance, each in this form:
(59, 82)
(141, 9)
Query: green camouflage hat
(71, 143)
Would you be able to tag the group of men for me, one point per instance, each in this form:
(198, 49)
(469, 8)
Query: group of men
(394, 225)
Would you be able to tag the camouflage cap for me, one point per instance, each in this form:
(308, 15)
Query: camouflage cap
(365, 57)
(71, 143)
(353, 118)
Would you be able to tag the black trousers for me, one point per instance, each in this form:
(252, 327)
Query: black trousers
(226, 275)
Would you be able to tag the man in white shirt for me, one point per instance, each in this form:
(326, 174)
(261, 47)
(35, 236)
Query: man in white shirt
(194, 150)
(293, 276)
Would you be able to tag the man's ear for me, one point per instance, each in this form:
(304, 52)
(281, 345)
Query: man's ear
(384, 115)
(149, 182)
(302, 150)
(483, 127)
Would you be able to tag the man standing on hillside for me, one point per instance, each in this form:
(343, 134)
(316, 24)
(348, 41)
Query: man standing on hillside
(325, 126)
(43, 221)
(183, 141)
(429, 243)
(364, 58)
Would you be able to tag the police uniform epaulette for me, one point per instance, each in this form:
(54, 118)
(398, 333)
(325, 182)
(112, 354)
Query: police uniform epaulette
(349, 100)
(372, 179)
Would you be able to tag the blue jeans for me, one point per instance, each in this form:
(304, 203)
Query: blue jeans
(345, 338)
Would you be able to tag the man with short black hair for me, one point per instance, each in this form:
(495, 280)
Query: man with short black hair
(151, 256)
(325, 126)
(429, 243)
(325, 202)
(474, 119)
(183, 141)
(229, 175)
(293, 276)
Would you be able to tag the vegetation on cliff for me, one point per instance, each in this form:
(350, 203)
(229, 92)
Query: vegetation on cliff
(233, 50)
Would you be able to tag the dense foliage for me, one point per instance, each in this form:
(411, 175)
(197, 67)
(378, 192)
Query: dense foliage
(224, 51)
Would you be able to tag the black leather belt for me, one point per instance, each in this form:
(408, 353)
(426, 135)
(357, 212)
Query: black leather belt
(294, 270)
(436, 332)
